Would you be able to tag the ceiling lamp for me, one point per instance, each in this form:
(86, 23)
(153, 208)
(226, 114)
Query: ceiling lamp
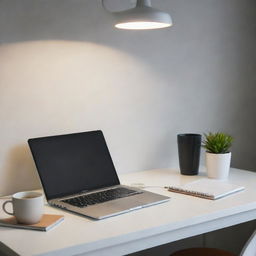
(143, 16)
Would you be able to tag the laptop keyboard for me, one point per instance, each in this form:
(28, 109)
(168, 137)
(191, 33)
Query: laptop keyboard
(101, 197)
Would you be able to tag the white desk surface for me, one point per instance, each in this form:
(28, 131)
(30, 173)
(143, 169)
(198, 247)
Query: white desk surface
(183, 216)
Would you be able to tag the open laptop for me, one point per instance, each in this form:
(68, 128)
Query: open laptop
(78, 175)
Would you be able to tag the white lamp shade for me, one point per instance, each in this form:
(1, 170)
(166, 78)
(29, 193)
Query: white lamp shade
(142, 17)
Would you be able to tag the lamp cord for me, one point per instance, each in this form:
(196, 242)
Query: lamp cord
(104, 7)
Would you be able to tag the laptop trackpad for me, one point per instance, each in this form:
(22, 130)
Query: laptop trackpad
(112, 207)
(127, 203)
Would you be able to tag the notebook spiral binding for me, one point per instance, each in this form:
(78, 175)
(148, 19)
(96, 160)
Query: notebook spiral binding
(190, 192)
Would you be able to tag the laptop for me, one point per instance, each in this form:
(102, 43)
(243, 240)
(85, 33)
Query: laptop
(78, 175)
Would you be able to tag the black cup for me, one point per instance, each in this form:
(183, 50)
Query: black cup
(189, 145)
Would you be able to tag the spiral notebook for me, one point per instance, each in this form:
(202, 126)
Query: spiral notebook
(207, 188)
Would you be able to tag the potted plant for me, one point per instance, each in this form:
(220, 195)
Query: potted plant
(218, 155)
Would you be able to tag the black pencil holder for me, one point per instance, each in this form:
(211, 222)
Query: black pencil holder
(189, 146)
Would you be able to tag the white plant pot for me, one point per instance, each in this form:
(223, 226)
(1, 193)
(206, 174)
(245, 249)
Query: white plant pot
(218, 165)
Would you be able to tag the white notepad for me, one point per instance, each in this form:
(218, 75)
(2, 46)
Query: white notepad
(207, 188)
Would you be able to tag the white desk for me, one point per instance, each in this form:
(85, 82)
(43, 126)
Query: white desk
(183, 216)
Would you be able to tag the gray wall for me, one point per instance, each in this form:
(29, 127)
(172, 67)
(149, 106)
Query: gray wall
(64, 68)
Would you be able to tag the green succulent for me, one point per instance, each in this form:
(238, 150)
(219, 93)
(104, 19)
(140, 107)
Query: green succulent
(218, 143)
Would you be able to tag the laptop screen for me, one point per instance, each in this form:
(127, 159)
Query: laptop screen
(69, 164)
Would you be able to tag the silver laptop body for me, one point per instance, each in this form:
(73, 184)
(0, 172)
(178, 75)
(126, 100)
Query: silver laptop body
(76, 165)
(113, 207)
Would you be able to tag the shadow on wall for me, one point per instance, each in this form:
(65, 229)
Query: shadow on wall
(84, 21)
(150, 89)
(54, 20)
(20, 171)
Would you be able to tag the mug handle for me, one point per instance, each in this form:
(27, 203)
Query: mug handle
(4, 204)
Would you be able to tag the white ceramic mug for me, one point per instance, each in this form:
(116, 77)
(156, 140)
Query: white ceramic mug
(27, 207)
